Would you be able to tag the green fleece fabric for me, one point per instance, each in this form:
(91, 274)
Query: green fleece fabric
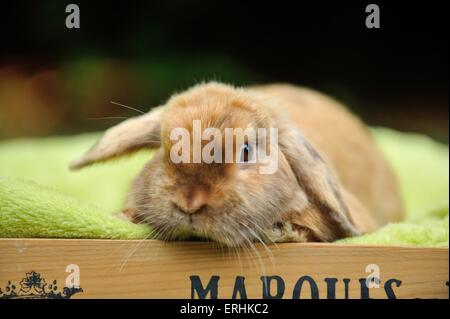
(40, 197)
(422, 169)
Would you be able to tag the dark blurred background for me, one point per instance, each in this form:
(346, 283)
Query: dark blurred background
(54, 80)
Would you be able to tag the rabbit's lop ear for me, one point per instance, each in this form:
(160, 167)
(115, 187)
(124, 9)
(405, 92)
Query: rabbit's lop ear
(124, 138)
(326, 216)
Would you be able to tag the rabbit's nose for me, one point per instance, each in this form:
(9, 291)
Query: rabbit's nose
(191, 202)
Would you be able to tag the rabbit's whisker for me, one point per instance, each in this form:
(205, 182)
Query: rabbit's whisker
(127, 107)
(108, 118)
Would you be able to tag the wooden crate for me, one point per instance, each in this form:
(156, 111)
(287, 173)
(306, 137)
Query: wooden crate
(153, 269)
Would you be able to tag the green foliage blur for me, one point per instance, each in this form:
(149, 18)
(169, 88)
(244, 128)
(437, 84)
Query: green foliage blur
(77, 95)
(59, 81)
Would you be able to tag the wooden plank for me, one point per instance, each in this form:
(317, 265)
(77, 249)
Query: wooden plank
(153, 269)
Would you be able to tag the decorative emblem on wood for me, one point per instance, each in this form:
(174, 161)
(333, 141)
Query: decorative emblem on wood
(32, 286)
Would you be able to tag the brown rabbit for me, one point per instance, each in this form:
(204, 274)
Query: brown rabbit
(332, 181)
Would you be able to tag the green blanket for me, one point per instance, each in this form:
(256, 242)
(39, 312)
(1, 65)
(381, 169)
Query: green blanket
(40, 197)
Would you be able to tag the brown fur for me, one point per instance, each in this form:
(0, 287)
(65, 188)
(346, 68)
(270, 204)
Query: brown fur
(346, 145)
(322, 190)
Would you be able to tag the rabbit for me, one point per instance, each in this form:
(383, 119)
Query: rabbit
(331, 181)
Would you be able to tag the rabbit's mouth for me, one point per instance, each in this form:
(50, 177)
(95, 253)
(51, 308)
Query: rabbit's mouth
(233, 229)
(225, 233)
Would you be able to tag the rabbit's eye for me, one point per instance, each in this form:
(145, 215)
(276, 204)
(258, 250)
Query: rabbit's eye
(247, 153)
(244, 153)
